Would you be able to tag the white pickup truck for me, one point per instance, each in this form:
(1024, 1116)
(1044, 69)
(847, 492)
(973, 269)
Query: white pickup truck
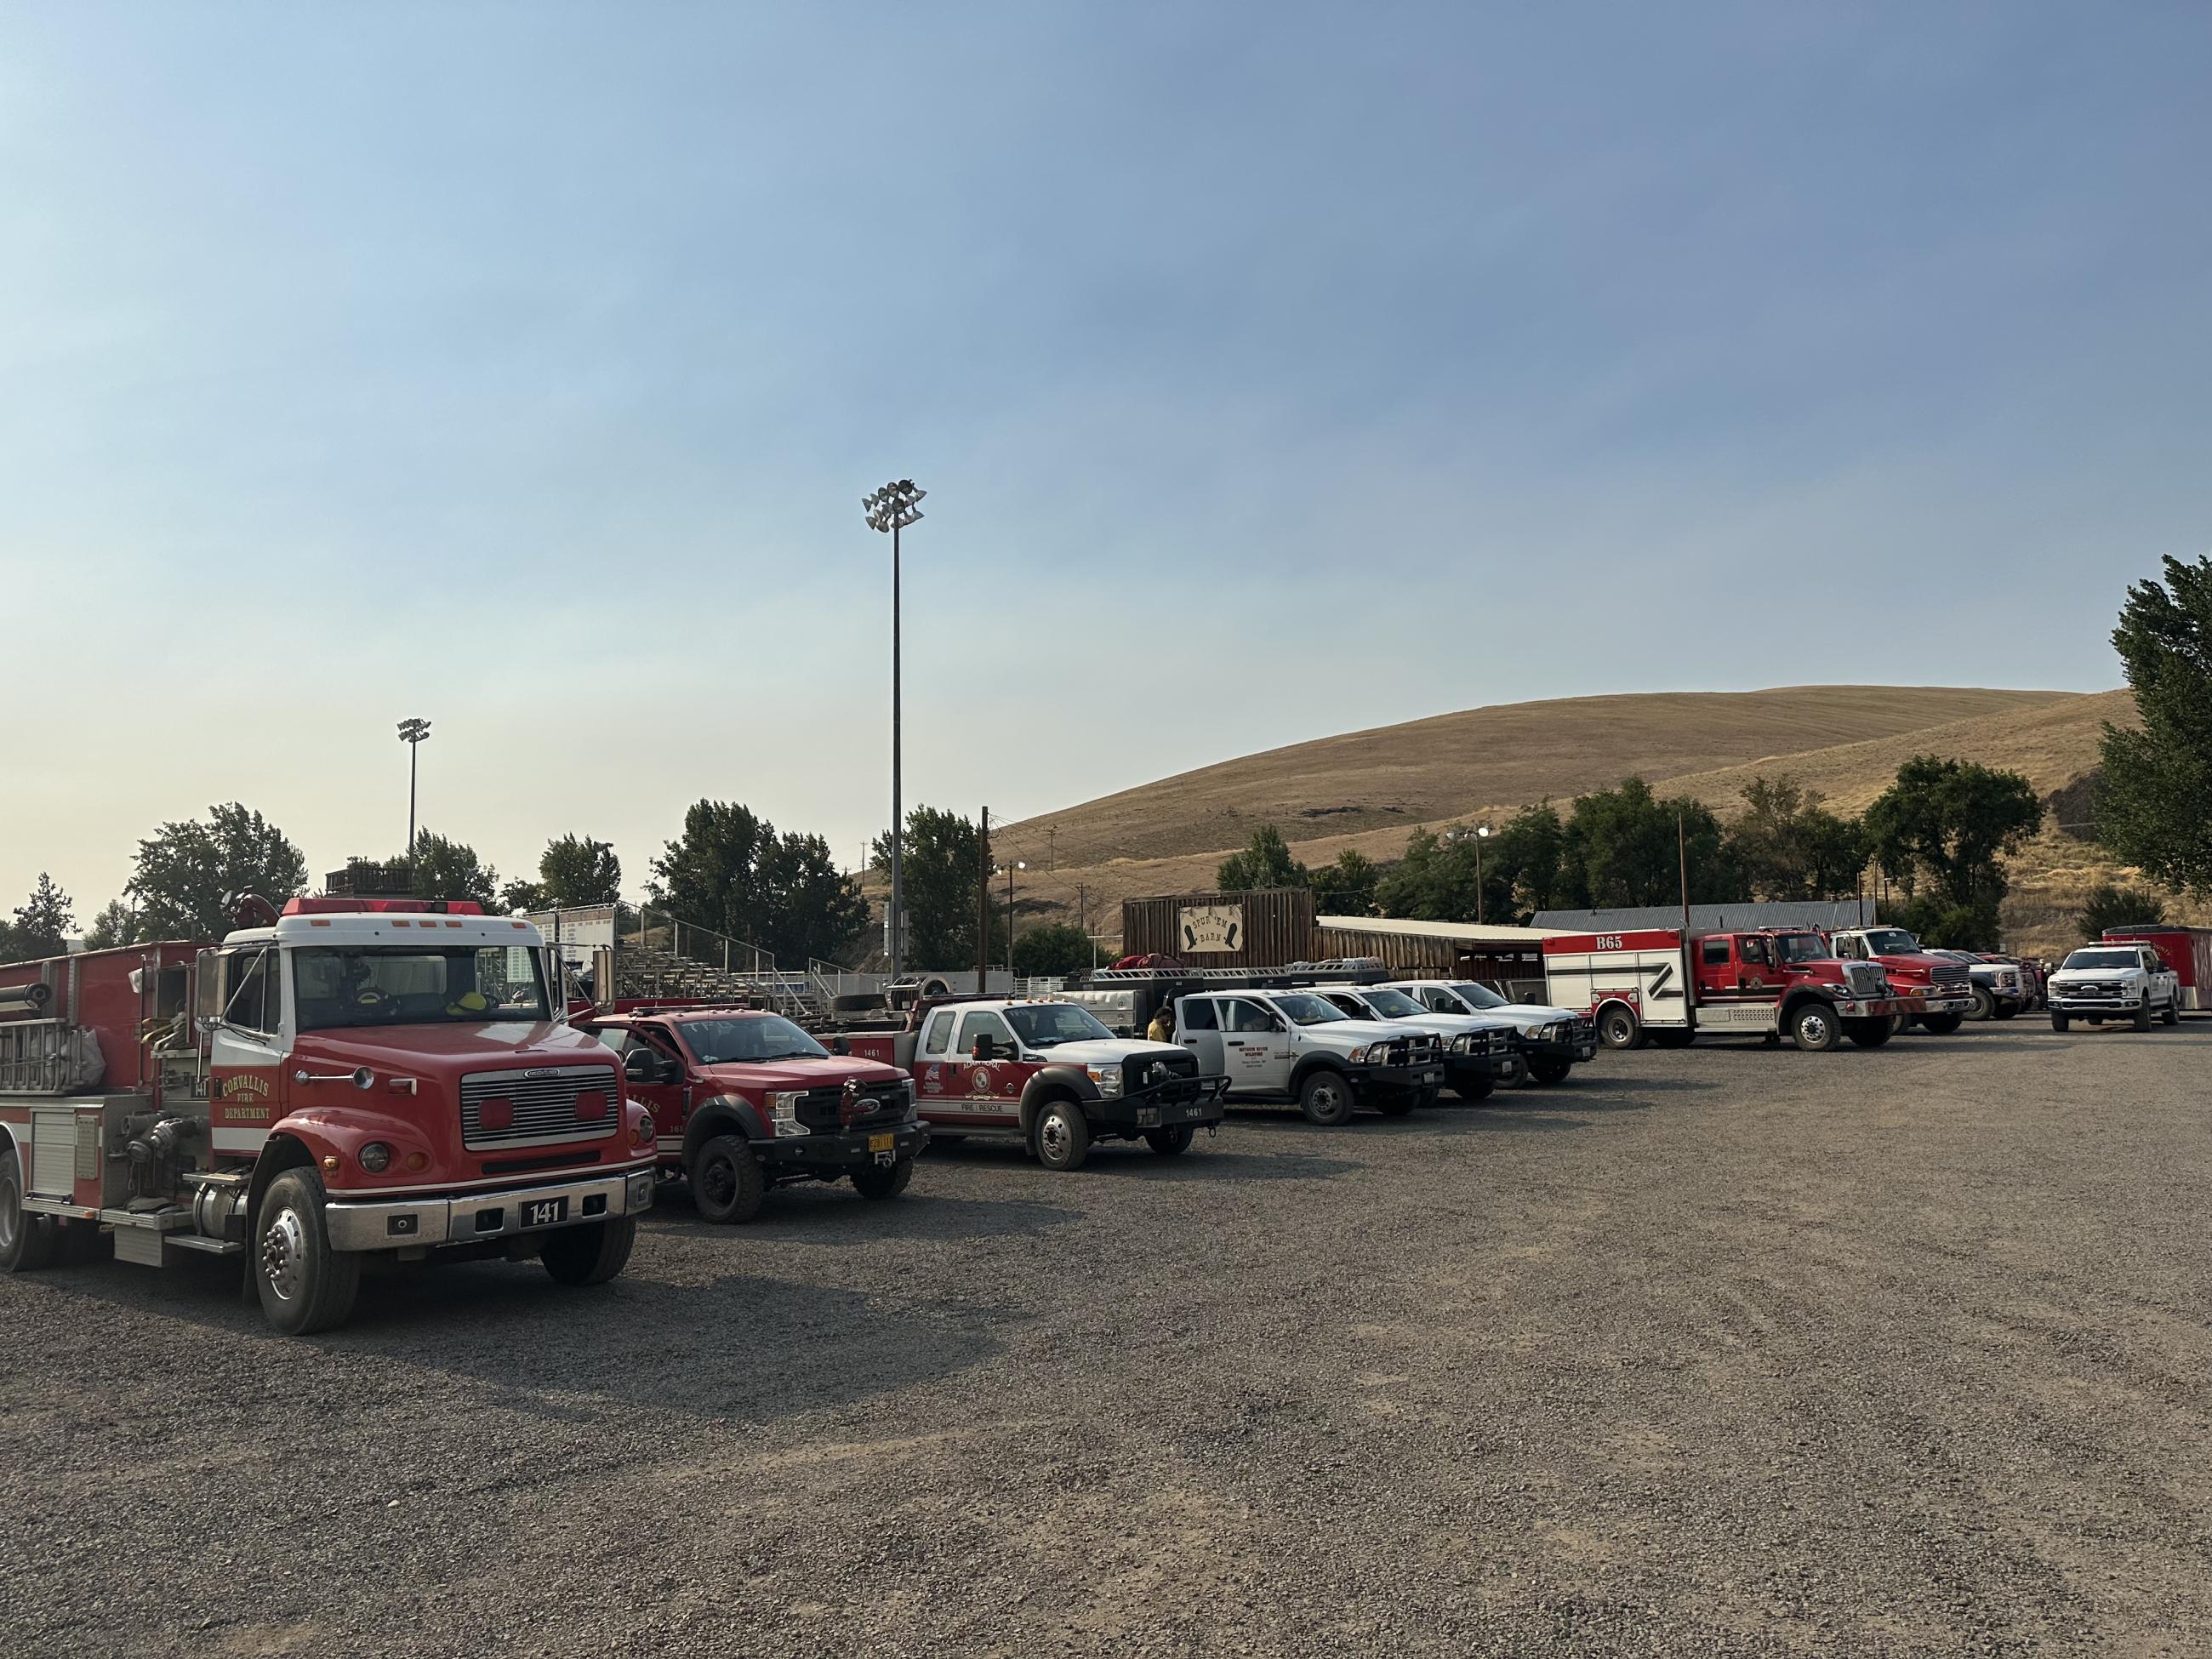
(1297, 1045)
(2114, 981)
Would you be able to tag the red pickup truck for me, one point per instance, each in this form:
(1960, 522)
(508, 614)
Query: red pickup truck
(743, 1100)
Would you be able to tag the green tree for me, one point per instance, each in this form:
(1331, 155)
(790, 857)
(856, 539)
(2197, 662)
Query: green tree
(1346, 887)
(1620, 848)
(1947, 821)
(443, 869)
(730, 872)
(42, 924)
(940, 870)
(116, 924)
(1266, 862)
(1433, 882)
(2110, 905)
(518, 895)
(2155, 809)
(1055, 949)
(1518, 868)
(576, 871)
(186, 870)
(1789, 846)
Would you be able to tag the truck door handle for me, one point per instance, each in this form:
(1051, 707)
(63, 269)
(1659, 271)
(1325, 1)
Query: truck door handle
(1231, 1043)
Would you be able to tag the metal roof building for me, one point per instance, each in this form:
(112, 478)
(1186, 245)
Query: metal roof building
(1827, 914)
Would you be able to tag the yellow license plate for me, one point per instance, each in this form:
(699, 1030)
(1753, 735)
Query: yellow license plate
(879, 1143)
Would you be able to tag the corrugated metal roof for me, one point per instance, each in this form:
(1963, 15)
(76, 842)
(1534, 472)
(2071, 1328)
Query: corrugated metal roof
(1466, 931)
(1827, 914)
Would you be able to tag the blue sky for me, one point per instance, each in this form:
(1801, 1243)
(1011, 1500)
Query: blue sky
(1273, 371)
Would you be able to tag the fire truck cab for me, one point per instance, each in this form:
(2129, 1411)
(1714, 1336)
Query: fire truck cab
(1668, 986)
(354, 1078)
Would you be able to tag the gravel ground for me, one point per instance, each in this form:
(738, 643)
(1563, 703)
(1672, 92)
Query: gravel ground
(1719, 1351)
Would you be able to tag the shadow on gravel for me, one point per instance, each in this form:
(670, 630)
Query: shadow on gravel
(724, 1348)
(1214, 1159)
(836, 1216)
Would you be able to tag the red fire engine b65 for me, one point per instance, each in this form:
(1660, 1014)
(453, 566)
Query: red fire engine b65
(1671, 987)
(354, 1078)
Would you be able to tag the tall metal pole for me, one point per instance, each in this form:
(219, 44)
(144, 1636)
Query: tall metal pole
(1010, 920)
(898, 808)
(1682, 850)
(1478, 881)
(412, 749)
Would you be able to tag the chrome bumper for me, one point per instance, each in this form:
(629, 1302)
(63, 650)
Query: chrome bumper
(463, 1220)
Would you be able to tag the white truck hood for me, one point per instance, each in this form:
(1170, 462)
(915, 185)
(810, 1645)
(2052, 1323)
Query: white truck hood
(2066, 976)
(1355, 1033)
(1103, 1051)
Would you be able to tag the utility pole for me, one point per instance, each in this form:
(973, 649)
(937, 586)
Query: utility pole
(1051, 848)
(1682, 850)
(1016, 865)
(983, 906)
(411, 732)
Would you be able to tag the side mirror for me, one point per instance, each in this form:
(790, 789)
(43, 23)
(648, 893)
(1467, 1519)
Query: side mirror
(839, 1045)
(986, 1047)
(641, 1065)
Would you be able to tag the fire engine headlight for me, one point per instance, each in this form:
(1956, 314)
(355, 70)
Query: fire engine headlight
(1109, 1079)
(364, 1079)
(375, 1157)
(641, 1132)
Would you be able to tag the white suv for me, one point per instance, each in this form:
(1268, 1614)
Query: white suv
(2114, 981)
(1297, 1045)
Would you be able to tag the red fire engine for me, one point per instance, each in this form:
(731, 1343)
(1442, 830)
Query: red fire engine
(1671, 987)
(355, 1077)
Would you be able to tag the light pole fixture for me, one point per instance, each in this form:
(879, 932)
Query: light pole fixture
(893, 508)
(1482, 835)
(411, 732)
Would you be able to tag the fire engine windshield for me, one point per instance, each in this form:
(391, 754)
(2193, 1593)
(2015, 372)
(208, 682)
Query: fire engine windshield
(1042, 1024)
(1891, 942)
(1800, 947)
(413, 985)
(765, 1037)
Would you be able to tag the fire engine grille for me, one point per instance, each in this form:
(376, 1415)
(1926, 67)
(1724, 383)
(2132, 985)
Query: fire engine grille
(539, 1107)
(1865, 979)
(818, 1109)
(1951, 976)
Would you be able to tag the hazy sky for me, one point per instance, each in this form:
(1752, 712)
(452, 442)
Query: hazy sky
(1274, 370)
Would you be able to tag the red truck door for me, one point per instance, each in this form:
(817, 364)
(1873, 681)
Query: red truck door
(670, 1101)
(957, 1086)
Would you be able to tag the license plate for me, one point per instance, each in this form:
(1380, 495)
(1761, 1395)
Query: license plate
(544, 1212)
(1432, 1076)
(879, 1143)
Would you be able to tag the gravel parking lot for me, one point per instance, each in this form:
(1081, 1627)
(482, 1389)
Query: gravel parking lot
(1723, 1351)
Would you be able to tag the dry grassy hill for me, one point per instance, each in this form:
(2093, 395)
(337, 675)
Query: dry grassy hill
(1370, 790)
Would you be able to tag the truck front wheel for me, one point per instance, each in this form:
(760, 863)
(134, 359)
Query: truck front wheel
(1618, 1027)
(1063, 1139)
(877, 1180)
(1868, 1033)
(26, 1242)
(1325, 1098)
(1550, 1068)
(1942, 1024)
(1985, 1005)
(1169, 1143)
(2172, 1016)
(306, 1286)
(1475, 1086)
(1812, 1027)
(727, 1182)
(589, 1255)
(2143, 1016)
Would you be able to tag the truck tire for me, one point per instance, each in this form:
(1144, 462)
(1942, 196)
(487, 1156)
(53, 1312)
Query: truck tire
(1868, 1033)
(1899, 1025)
(1942, 1024)
(2172, 1015)
(1985, 1005)
(2009, 1010)
(2058, 1021)
(1813, 1027)
(1169, 1143)
(2143, 1015)
(1550, 1068)
(1618, 1027)
(305, 1285)
(727, 1185)
(1400, 1102)
(1326, 1097)
(589, 1255)
(1062, 1137)
(876, 1182)
(1476, 1087)
(26, 1242)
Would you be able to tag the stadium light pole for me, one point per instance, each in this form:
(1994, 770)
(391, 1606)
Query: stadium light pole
(411, 732)
(892, 508)
(1482, 835)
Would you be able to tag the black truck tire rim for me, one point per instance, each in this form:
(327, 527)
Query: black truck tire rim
(719, 1183)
